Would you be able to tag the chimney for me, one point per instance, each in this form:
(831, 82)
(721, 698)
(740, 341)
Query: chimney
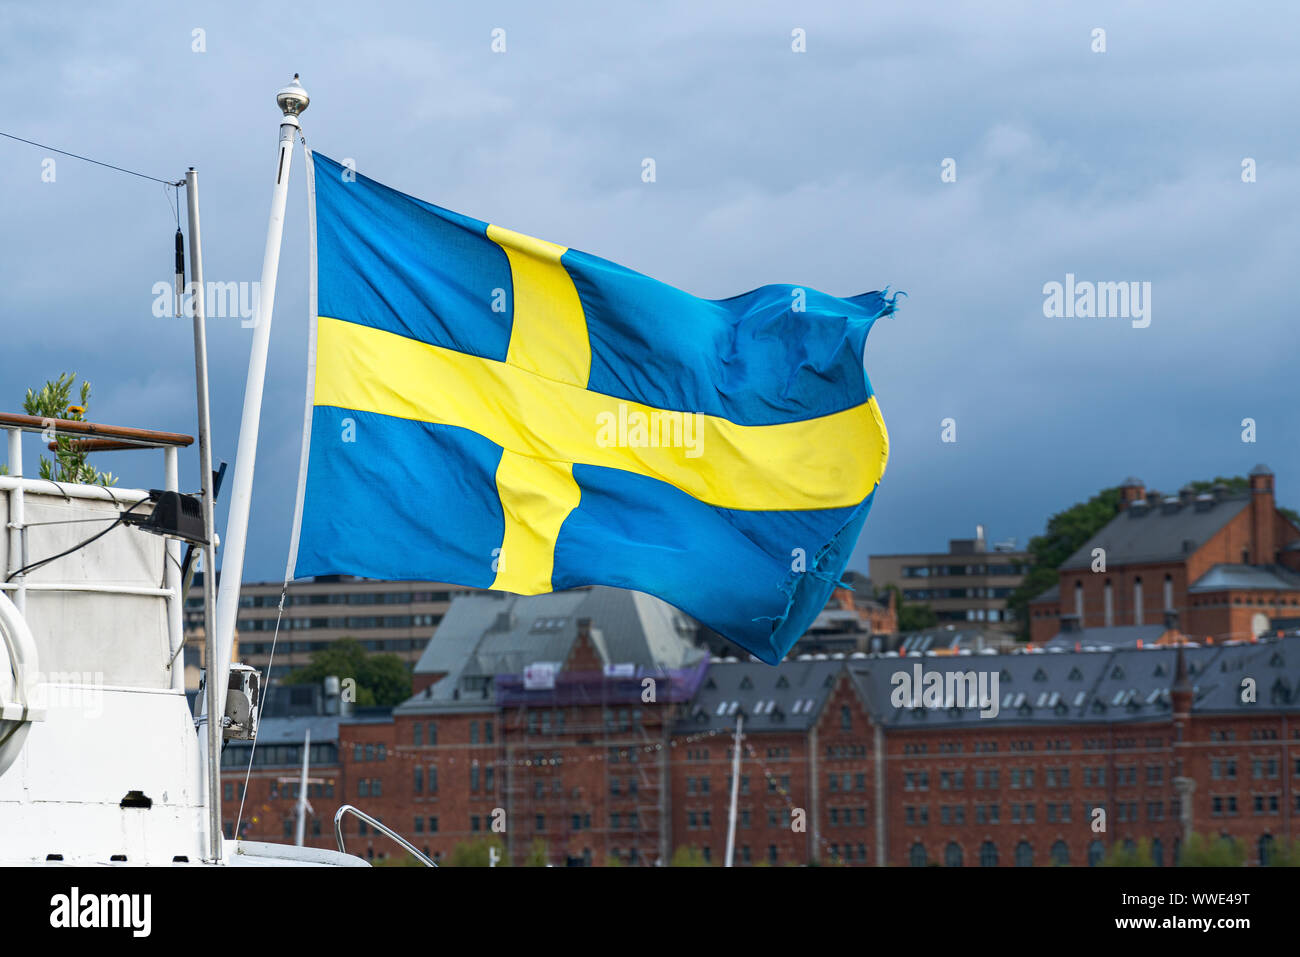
(1186, 495)
(1263, 527)
(1130, 491)
(1171, 619)
(584, 628)
(332, 694)
(1070, 625)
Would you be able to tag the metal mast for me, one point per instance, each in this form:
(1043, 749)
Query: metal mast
(735, 789)
(292, 100)
(212, 769)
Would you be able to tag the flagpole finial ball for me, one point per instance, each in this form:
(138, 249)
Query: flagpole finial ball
(293, 99)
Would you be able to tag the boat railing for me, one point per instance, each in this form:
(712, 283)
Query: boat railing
(378, 826)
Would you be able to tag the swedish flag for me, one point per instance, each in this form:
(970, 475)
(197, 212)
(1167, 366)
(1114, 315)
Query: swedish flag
(493, 410)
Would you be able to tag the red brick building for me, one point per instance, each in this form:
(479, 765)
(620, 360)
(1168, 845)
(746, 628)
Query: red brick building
(1216, 565)
(566, 752)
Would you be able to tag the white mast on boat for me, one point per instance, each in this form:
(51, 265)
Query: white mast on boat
(211, 744)
(292, 100)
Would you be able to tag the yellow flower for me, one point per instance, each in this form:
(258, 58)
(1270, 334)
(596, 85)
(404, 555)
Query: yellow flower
(76, 410)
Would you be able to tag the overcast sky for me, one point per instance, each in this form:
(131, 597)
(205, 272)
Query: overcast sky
(820, 168)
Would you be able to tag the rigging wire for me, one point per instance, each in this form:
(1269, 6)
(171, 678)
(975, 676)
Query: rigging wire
(120, 169)
(80, 545)
(261, 705)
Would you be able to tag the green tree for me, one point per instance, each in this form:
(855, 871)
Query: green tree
(539, 853)
(1285, 855)
(1200, 851)
(690, 856)
(1137, 856)
(54, 401)
(382, 679)
(476, 853)
(1066, 531)
(912, 617)
(405, 859)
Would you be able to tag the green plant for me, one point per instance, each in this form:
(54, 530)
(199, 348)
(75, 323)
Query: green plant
(539, 854)
(476, 853)
(912, 617)
(1200, 851)
(1283, 854)
(381, 679)
(54, 401)
(1137, 856)
(690, 856)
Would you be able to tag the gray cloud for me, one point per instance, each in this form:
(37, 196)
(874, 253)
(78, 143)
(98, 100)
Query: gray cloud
(819, 168)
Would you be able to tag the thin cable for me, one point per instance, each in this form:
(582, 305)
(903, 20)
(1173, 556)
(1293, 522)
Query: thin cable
(78, 546)
(261, 705)
(120, 169)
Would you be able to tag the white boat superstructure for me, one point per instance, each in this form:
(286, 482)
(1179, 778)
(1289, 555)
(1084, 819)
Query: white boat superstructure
(101, 759)
(100, 762)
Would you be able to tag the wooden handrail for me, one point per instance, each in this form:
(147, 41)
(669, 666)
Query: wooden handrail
(96, 436)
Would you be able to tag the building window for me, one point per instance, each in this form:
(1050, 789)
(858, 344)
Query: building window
(916, 857)
(473, 732)
(952, 855)
(1060, 854)
(1096, 851)
(988, 854)
(419, 780)
(1024, 854)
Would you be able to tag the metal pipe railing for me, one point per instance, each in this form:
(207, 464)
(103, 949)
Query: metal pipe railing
(377, 825)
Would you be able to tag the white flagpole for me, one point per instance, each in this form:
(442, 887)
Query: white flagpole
(292, 100)
(735, 789)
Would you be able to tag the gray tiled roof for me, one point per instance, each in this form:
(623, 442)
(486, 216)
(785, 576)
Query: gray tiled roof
(1161, 533)
(1117, 636)
(324, 728)
(947, 636)
(495, 633)
(1270, 577)
(788, 697)
(1127, 685)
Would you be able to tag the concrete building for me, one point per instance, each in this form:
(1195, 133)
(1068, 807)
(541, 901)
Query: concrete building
(970, 582)
(396, 617)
